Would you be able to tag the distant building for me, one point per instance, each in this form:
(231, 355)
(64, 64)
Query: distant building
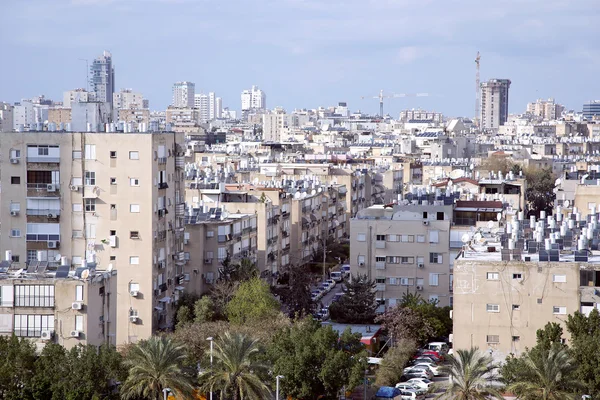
(183, 94)
(546, 109)
(127, 98)
(591, 110)
(421, 116)
(254, 99)
(218, 107)
(6, 117)
(201, 103)
(494, 103)
(102, 79)
(76, 95)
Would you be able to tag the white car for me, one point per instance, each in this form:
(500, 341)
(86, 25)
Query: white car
(421, 383)
(331, 283)
(418, 372)
(405, 386)
(435, 370)
(410, 395)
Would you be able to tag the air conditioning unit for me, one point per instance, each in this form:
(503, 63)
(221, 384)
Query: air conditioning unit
(14, 213)
(421, 265)
(47, 335)
(52, 215)
(419, 287)
(74, 188)
(51, 188)
(133, 319)
(75, 334)
(76, 306)
(361, 264)
(14, 160)
(52, 244)
(134, 293)
(208, 261)
(425, 223)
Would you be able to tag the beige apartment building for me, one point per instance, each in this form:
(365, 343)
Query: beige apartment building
(134, 115)
(499, 305)
(59, 115)
(404, 248)
(40, 305)
(113, 200)
(211, 235)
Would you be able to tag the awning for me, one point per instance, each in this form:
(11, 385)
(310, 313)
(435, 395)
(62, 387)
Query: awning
(305, 221)
(165, 299)
(158, 308)
(374, 360)
(312, 217)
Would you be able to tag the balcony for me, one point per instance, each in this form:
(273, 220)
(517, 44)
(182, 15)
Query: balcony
(285, 214)
(50, 213)
(163, 185)
(43, 159)
(43, 190)
(179, 161)
(380, 265)
(162, 160)
(42, 237)
(380, 244)
(380, 287)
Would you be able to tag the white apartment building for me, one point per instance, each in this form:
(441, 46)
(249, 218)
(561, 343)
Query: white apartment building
(494, 103)
(127, 99)
(76, 95)
(6, 117)
(113, 200)
(183, 94)
(254, 99)
(546, 109)
(405, 249)
(218, 107)
(201, 103)
(274, 124)
(212, 104)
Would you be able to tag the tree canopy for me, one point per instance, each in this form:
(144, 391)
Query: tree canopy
(251, 301)
(358, 304)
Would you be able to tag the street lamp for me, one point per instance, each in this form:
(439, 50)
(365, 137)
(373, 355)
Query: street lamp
(166, 392)
(277, 378)
(210, 339)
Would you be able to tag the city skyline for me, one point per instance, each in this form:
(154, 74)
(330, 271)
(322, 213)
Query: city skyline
(317, 58)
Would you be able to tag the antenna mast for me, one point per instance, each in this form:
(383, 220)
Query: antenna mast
(477, 90)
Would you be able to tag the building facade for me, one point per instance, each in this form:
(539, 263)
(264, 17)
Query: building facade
(102, 79)
(494, 103)
(591, 110)
(183, 94)
(253, 99)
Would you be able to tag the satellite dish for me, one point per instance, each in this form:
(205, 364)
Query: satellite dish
(478, 237)
(313, 192)
(490, 224)
(57, 257)
(297, 195)
(465, 238)
(557, 182)
(110, 268)
(19, 272)
(457, 173)
(85, 274)
(567, 203)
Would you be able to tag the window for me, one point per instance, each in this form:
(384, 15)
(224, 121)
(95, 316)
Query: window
(392, 238)
(492, 339)
(76, 155)
(79, 293)
(393, 260)
(15, 259)
(516, 338)
(90, 205)
(210, 234)
(79, 323)
(560, 310)
(113, 181)
(361, 237)
(15, 233)
(134, 208)
(42, 150)
(134, 287)
(113, 154)
(434, 298)
(134, 182)
(34, 296)
(33, 325)
(75, 234)
(90, 151)
(559, 278)
(440, 215)
(435, 258)
(361, 261)
(517, 276)
(134, 234)
(434, 279)
(379, 280)
(134, 260)
(424, 214)
(492, 308)
(90, 231)
(134, 155)
(408, 238)
(90, 178)
(77, 207)
(15, 180)
(420, 238)
(379, 259)
(394, 281)
(15, 153)
(516, 307)
(539, 301)
(407, 260)
(493, 276)
(380, 237)
(434, 236)
(222, 253)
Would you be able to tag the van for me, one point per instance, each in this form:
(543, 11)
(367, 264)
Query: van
(440, 347)
(336, 276)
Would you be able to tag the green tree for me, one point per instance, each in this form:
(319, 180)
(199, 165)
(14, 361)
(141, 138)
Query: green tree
(236, 372)
(245, 270)
(184, 317)
(550, 376)
(437, 317)
(394, 361)
(540, 189)
(221, 294)
(585, 341)
(155, 364)
(296, 296)
(469, 371)
(17, 367)
(204, 310)
(358, 305)
(406, 323)
(251, 301)
(316, 360)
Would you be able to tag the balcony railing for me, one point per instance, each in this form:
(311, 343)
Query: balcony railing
(380, 265)
(44, 212)
(39, 237)
(162, 160)
(43, 159)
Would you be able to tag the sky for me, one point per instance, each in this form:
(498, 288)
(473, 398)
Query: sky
(308, 53)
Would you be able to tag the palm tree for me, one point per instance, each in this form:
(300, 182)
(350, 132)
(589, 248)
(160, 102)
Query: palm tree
(236, 373)
(156, 364)
(547, 377)
(469, 371)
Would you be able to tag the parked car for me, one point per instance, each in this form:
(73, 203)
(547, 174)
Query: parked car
(422, 360)
(421, 383)
(337, 296)
(346, 270)
(316, 295)
(331, 283)
(336, 276)
(440, 347)
(418, 372)
(405, 386)
(411, 395)
(323, 314)
(432, 367)
(387, 393)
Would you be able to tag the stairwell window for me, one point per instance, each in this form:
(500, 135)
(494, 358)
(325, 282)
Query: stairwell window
(134, 155)
(90, 205)
(492, 308)
(559, 310)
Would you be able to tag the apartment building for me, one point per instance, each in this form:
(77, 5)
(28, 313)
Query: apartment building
(59, 116)
(6, 117)
(134, 116)
(494, 103)
(183, 94)
(212, 235)
(112, 199)
(47, 303)
(308, 226)
(404, 248)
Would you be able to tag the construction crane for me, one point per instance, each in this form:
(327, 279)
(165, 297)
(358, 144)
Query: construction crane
(382, 96)
(477, 90)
